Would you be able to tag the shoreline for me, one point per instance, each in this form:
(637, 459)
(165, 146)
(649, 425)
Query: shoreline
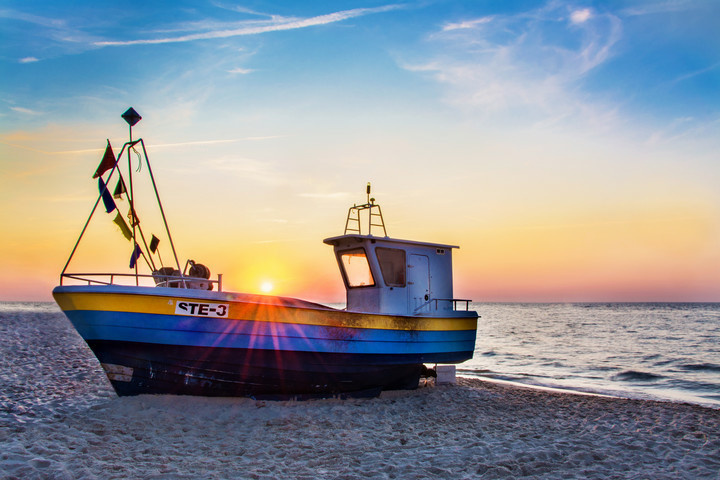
(474, 429)
(668, 395)
(544, 388)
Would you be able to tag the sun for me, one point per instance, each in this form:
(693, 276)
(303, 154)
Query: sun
(266, 286)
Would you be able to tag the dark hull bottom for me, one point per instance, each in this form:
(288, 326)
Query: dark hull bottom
(140, 368)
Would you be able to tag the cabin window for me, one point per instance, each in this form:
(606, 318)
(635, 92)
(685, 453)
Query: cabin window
(392, 265)
(356, 267)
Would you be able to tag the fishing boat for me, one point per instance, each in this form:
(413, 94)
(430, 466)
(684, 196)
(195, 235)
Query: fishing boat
(174, 330)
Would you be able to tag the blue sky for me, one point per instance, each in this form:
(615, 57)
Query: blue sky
(653, 61)
(490, 117)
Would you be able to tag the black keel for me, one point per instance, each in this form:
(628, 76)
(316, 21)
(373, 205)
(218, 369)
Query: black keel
(141, 368)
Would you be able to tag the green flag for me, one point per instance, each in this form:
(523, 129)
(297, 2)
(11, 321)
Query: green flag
(123, 226)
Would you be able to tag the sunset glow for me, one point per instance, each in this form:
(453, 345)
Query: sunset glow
(570, 150)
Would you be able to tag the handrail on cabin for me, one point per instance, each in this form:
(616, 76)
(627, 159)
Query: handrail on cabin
(454, 301)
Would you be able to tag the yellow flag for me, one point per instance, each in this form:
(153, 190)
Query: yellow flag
(123, 226)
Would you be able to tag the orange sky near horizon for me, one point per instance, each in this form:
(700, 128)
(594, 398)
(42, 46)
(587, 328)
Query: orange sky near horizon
(661, 249)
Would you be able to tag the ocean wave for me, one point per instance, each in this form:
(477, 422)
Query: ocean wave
(636, 376)
(705, 367)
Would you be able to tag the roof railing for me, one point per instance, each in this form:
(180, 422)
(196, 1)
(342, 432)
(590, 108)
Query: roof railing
(353, 223)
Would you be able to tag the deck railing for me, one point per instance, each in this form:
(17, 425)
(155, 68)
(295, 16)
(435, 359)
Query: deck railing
(160, 280)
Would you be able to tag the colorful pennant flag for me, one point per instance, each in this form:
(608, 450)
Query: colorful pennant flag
(135, 255)
(106, 196)
(123, 226)
(107, 162)
(119, 189)
(133, 220)
(154, 242)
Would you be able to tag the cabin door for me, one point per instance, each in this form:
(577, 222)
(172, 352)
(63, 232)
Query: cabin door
(418, 274)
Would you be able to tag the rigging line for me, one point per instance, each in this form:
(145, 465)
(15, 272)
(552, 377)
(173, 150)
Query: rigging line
(92, 212)
(146, 259)
(133, 219)
(162, 211)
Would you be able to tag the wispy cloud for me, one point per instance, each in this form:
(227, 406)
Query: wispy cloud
(255, 170)
(47, 152)
(25, 111)
(325, 196)
(466, 24)
(671, 132)
(241, 9)
(691, 130)
(28, 60)
(654, 7)
(535, 59)
(53, 34)
(30, 18)
(214, 142)
(694, 73)
(155, 146)
(240, 71)
(253, 28)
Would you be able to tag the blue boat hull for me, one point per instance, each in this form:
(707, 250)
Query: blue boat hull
(155, 340)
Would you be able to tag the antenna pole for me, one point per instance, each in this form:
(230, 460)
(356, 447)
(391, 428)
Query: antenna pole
(370, 209)
(131, 197)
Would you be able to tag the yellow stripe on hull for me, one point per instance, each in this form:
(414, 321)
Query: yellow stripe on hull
(260, 312)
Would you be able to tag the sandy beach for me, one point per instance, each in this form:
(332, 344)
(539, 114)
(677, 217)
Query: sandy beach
(475, 429)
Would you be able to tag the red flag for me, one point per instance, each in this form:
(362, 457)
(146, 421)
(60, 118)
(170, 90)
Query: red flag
(108, 161)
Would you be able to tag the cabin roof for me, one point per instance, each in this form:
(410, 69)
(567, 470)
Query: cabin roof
(360, 238)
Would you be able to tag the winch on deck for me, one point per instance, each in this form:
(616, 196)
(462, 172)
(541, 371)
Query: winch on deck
(197, 277)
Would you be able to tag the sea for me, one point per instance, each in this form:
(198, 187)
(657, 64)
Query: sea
(660, 351)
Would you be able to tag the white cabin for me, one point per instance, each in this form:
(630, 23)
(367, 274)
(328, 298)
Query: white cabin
(401, 277)
(389, 275)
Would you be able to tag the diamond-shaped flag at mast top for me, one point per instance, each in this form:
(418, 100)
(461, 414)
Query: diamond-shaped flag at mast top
(131, 116)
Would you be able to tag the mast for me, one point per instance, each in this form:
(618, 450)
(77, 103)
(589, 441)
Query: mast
(132, 118)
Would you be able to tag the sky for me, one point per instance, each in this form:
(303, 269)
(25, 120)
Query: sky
(569, 148)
